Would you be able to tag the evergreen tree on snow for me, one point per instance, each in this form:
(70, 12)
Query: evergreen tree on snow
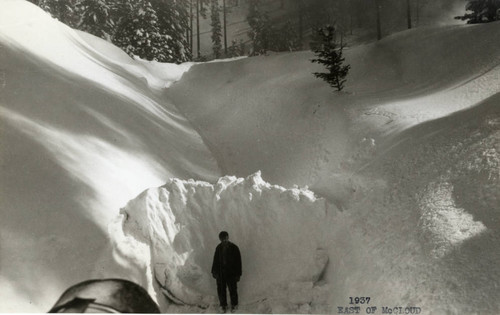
(260, 27)
(139, 34)
(329, 55)
(287, 38)
(200, 12)
(96, 18)
(173, 17)
(216, 28)
(162, 23)
(236, 49)
(481, 11)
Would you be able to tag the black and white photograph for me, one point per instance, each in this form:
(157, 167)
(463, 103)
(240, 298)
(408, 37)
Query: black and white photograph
(250, 156)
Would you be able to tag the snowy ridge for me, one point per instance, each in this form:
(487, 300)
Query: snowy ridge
(428, 217)
(82, 133)
(281, 234)
(79, 52)
(408, 152)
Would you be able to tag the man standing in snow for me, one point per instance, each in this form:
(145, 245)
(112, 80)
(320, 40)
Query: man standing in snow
(226, 268)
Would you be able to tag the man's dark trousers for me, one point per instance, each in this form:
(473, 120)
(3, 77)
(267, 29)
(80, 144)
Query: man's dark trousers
(230, 283)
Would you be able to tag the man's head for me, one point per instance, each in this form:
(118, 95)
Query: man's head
(224, 236)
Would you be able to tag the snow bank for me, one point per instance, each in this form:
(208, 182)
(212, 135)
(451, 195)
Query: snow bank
(82, 133)
(280, 232)
(408, 151)
(270, 113)
(27, 27)
(424, 224)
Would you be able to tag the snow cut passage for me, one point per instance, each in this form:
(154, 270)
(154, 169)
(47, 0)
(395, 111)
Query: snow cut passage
(280, 233)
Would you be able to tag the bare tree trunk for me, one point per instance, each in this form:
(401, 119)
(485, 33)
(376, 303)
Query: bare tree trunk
(379, 27)
(198, 28)
(301, 21)
(225, 26)
(417, 13)
(408, 13)
(191, 24)
(351, 12)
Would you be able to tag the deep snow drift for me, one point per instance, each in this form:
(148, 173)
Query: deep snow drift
(403, 172)
(280, 232)
(82, 132)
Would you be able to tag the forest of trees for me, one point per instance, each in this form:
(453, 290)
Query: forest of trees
(150, 29)
(481, 11)
(169, 30)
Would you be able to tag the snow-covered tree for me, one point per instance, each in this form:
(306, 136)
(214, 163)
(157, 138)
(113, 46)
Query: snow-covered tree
(140, 34)
(236, 49)
(151, 29)
(270, 35)
(329, 54)
(216, 28)
(200, 12)
(63, 10)
(173, 16)
(481, 11)
(259, 25)
(286, 38)
(96, 18)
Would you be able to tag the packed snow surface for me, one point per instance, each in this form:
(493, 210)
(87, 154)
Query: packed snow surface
(402, 170)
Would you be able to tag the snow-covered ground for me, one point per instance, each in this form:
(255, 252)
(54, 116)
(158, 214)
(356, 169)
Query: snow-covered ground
(114, 167)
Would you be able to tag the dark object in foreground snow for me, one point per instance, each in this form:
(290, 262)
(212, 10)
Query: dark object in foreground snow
(105, 296)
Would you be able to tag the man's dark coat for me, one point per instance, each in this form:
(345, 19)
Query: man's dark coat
(232, 266)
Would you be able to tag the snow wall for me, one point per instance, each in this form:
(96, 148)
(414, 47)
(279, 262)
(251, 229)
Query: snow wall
(281, 234)
(423, 223)
(83, 131)
(421, 230)
(408, 153)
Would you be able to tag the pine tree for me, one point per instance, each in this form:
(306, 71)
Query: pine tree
(216, 28)
(233, 49)
(63, 10)
(96, 18)
(260, 27)
(287, 38)
(200, 12)
(330, 55)
(139, 34)
(173, 16)
(236, 49)
(163, 23)
(482, 11)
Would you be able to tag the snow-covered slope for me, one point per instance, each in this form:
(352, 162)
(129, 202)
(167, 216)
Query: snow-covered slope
(295, 128)
(425, 221)
(81, 134)
(402, 168)
(419, 196)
